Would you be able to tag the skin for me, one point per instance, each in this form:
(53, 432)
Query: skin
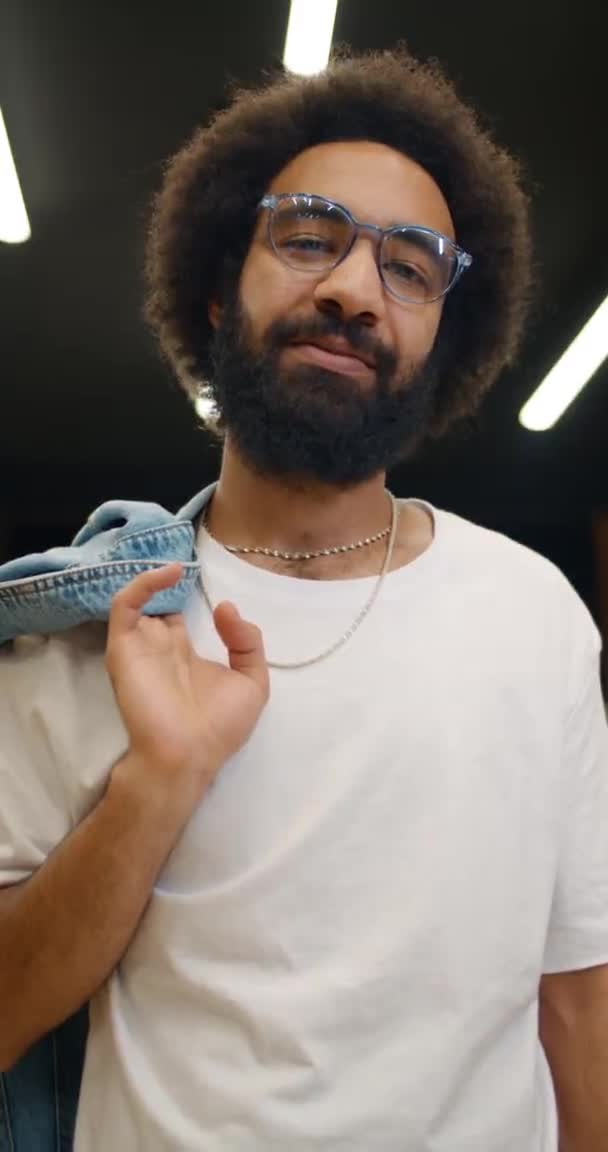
(305, 512)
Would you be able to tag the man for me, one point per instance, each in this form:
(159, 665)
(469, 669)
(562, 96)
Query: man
(323, 836)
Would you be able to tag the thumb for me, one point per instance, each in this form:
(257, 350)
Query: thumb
(243, 640)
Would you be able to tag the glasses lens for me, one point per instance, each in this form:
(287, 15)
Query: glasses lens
(308, 233)
(418, 265)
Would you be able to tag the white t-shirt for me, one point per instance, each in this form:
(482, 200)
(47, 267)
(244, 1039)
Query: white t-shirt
(344, 949)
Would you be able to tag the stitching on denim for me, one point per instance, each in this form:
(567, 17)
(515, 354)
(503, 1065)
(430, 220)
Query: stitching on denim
(180, 525)
(11, 1143)
(32, 585)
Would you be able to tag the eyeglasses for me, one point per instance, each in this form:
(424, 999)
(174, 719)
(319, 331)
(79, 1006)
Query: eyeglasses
(312, 234)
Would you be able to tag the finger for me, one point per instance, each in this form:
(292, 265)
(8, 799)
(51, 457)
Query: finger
(127, 604)
(244, 641)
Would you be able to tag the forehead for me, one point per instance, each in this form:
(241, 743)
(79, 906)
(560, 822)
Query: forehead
(377, 184)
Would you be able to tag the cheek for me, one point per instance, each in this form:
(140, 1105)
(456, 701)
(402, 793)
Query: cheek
(267, 290)
(250, 278)
(417, 332)
(433, 322)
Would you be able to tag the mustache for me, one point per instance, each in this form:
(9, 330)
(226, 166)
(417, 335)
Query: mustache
(285, 331)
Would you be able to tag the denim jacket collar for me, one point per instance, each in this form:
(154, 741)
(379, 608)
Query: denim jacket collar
(53, 591)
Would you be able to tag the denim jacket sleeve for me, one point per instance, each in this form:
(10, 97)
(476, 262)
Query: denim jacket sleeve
(52, 591)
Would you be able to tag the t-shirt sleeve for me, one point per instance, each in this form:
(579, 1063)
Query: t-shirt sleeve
(33, 808)
(60, 735)
(578, 927)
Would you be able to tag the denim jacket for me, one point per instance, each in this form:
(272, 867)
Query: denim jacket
(51, 592)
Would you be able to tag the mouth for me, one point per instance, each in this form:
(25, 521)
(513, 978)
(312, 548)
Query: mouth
(334, 358)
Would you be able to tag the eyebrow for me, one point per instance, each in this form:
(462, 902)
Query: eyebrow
(415, 224)
(401, 223)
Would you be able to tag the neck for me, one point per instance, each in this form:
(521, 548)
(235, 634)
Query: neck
(292, 516)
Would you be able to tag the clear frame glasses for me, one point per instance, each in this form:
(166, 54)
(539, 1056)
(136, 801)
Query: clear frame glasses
(312, 234)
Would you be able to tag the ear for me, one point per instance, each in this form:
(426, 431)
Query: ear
(215, 314)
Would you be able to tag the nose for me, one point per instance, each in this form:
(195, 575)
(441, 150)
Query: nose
(354, 287)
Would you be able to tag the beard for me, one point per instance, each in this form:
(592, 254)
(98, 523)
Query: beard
(306, 423)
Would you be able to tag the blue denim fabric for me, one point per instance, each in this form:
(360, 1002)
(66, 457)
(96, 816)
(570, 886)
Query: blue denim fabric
(50, 592)
(39, 1094)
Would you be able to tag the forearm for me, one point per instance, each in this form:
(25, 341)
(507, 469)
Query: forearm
(578, 1058)
(586, 1132)
(588, 1140)
(65, 929)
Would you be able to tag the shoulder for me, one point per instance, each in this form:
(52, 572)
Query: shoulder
(34, 661)
(58, 713)
(524, 595)
(511, 567)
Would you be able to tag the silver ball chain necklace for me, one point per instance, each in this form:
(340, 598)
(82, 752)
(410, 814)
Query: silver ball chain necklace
(310, 556)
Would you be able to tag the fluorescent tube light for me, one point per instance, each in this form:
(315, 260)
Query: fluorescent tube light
(309, 34)
(14, 224)
(569, 376)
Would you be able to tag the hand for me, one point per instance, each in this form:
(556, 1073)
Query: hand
(182, 713)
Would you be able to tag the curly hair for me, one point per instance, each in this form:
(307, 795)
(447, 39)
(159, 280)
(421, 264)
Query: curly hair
(202, 219)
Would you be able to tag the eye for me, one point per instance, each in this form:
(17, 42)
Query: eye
(306, 244)
(407, 272)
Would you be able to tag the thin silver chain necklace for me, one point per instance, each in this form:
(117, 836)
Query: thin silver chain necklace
(309, 556)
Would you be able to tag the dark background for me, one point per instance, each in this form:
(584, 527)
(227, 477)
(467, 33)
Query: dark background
(96, 95)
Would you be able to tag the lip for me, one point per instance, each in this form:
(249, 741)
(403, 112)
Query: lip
(332, 357)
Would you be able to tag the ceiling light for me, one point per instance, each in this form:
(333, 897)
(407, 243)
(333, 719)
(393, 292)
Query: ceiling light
(309, 35)
(569, 376)
(205, 407)
(14, 224)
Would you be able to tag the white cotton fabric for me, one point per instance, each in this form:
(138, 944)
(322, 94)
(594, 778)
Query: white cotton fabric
(344, 949)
